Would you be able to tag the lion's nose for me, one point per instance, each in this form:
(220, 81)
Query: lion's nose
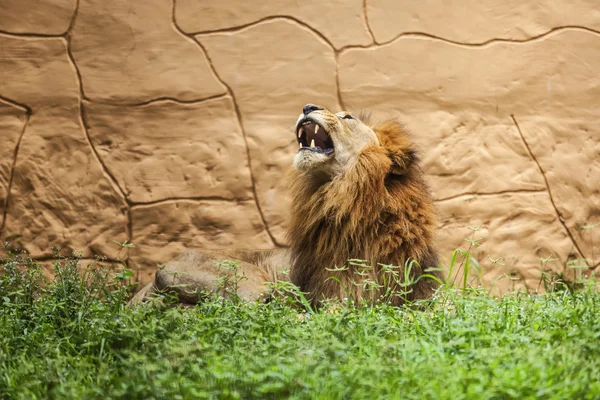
(310, 108)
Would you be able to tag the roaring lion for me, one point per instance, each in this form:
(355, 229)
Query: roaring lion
(361, 227)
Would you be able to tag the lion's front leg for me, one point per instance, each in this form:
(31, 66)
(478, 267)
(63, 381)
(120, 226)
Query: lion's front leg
(197, 274)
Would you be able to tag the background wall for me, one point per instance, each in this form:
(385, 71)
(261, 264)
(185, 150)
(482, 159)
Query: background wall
(168, 124)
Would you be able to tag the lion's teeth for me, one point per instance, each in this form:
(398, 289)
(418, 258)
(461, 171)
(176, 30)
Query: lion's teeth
(316, 128)
(300, 145)
(300, 132)
(312, 143)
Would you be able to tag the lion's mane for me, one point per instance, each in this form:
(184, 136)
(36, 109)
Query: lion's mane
(379, 210)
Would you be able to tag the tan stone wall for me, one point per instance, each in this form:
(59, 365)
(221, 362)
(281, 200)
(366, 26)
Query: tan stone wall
(168, 124)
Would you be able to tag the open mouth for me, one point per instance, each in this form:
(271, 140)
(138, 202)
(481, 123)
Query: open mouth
(313, 137)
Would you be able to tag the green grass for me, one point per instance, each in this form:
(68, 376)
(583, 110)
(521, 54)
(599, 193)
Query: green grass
(74, 338)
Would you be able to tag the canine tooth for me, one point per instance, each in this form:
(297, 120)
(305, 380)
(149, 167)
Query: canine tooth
(300, 132)
(312, 143)
(300, 145)
(316, 128)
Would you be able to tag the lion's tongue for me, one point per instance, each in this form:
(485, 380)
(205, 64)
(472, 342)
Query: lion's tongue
(315, 136)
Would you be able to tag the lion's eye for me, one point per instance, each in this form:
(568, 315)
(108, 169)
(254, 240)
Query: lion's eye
(347, 116)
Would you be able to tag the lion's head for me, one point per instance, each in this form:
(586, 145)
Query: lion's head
(358, 192)
(328, 142)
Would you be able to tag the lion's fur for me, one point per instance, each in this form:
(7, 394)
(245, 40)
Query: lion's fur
(378, 210)
(375, 208)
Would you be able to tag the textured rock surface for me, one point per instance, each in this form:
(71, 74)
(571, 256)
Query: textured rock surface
(37, 74)
(508, 223)
(491, 161)
(12, 121)
(42, 17)
(168, 123)
(59, 196)
(554, 76)
(568, 151)
(130, 52)
(269, 100)
(341, 22)
(170, 150)
(477, 21)
(551, 85)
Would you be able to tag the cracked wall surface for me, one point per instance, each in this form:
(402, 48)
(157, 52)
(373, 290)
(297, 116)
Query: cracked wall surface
(167, 123)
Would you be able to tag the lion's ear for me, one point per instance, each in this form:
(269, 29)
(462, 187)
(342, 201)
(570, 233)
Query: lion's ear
(397, 144)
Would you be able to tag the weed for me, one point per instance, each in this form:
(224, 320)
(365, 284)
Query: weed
(72, 336)
(231, 276)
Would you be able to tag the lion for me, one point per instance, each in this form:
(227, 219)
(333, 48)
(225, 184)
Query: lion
(362, 223)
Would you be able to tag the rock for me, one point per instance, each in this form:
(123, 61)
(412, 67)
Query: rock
(168, 150)
(475, 21)
(341, 22)
(12, 122)
(269, 100)
(60, 196)
(461, 153)
(516, 229)
(188, 108)
(554, 76)
(130, 52)
(550, 85)
(164, 230)
(37, 17)
(568, 151)
(37, 73)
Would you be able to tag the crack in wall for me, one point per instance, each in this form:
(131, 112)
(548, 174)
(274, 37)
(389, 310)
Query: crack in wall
(28, 113)
(202, 50)
(367, 24)
(239, 28)
(27, 35)
(558, 214)
(82, 120)
(169, 200)
(260, 21)
(230, 91)
(375, 44)
(486, 43)
(44, 35)
(240, 125)
(15, 104)
(164, 99)
(291, 19)
(416, 34)
(338, 52)
(338, 87)
(84, 127)
(72, 22)
(111, 178)
(490, 194)
(248, 155)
